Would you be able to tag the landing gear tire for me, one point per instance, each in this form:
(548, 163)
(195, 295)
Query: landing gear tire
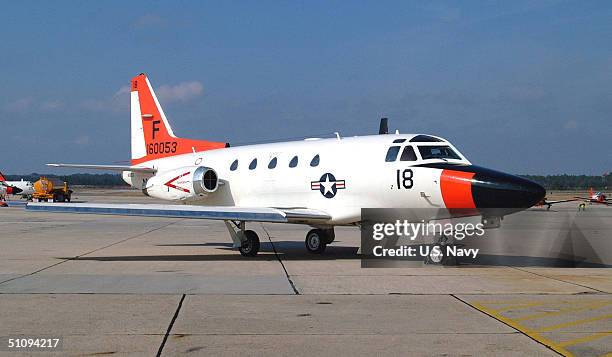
(250, 246)
(316, 241)
(330, 236)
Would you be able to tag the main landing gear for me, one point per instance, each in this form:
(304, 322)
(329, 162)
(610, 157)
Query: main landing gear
(248, 243)
(318, 239)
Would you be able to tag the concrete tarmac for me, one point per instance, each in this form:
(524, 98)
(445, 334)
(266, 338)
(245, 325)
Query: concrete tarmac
(113, 285)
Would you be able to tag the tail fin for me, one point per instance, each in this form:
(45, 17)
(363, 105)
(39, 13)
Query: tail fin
(591, 194)
(2, 179)
(152, 136)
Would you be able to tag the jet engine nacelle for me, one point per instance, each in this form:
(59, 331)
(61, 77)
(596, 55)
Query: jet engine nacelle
(187, 183)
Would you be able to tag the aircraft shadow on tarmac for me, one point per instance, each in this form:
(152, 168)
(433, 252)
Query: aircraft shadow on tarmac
(286, 250)
(291, 250)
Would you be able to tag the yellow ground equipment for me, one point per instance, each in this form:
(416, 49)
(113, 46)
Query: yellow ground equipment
(47, 189)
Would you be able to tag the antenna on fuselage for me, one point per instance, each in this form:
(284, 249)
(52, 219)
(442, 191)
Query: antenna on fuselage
(384, 126)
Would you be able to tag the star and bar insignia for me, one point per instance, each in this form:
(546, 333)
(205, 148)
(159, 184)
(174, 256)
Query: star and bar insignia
(328, 185)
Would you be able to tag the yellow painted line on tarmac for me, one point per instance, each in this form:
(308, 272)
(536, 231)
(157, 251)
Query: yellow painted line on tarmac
(520, 306)
(590, 306)
(586, 339)
(527, 331)
(573, 323)
(505, 302)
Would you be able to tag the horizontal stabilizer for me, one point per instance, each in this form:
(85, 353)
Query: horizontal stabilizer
(108, 167)
(258, 214)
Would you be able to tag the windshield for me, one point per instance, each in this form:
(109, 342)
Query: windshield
(438, 152)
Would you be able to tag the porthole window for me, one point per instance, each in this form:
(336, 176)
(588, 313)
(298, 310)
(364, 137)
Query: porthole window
(253, 164)
(392, 153)
(234, 165)
(293, 162)
(272, 163)
(315, 161)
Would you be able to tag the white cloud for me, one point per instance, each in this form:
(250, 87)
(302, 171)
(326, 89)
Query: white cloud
(181, 92)
(123, 91)
(82, 140)
(19, 105)
(148, 20)
(51, 105)
(570, 125)
(120, 100)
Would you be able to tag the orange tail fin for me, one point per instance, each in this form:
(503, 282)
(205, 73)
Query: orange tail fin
(152, 136)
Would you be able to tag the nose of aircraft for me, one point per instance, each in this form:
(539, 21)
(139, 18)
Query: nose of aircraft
(494, 189)
(491, 192)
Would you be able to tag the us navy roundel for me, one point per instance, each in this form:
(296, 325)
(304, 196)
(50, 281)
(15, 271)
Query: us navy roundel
(327, 185)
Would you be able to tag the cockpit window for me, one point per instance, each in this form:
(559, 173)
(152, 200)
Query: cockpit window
(425, 139)
(397, 141)
(408, 154)
(234, 165)
(392, 153)
(293, 162)
(438, 152)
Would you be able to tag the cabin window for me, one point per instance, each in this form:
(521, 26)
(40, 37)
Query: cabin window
(253, 164)
(293, 162)
(234, 165)
(315, 161)
(408, 154)
(272, 163)
(392, 153)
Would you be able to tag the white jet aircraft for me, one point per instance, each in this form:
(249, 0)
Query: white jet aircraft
(319, 182)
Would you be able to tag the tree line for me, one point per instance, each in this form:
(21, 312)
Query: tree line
(572, 182)
(98, 180)
(550, 182)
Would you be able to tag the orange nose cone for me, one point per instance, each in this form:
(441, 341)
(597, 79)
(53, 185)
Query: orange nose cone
(456, 187)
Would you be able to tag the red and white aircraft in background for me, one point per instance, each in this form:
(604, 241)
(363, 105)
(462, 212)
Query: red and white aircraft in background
(22, 188)
(319, 182)
(598, 197)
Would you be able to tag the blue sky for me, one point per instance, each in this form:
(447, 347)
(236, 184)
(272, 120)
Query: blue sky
(525, 87)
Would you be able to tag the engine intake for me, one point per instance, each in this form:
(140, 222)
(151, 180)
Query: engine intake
(205, 180)
(185, 183)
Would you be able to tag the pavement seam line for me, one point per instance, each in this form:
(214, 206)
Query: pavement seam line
(295, 290)
(174, 317)
(551, 345)
(86, 253)
(561, 280)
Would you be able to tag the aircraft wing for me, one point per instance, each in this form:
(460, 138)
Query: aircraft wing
(251, 214)
(108, 167)
(560, 201)
(589, 199)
